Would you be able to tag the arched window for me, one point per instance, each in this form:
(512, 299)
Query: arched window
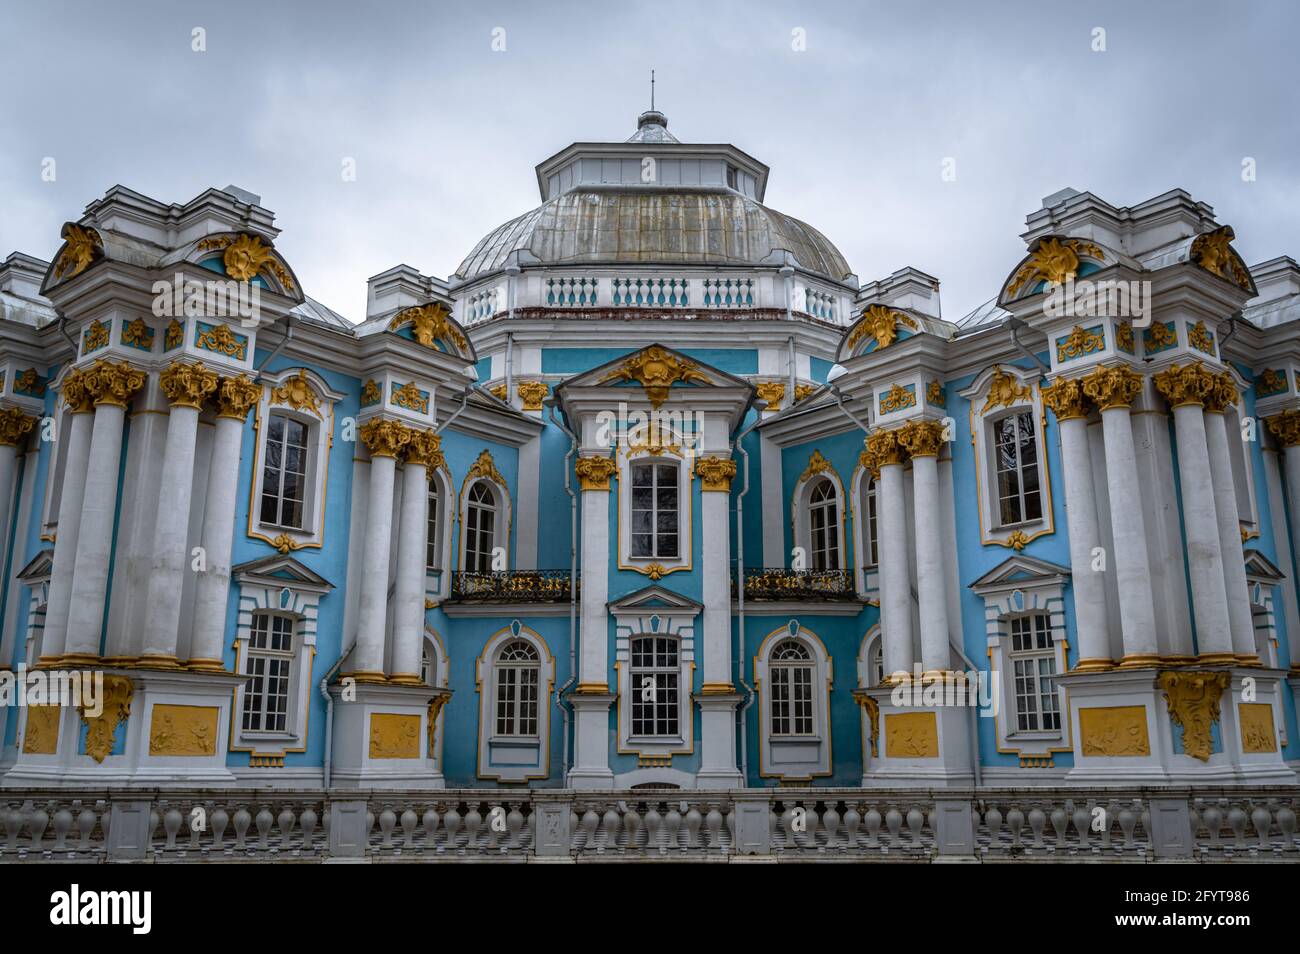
(871, 538)
(791, 684)
(655, 509)
(517, 672)
(655, 673)
(1015, 450)
(480, 528)
(824, 526)
(433, 539)
(284, 472)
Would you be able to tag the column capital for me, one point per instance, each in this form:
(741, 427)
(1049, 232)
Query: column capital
(1113, 387)
(425, 450)
(1185, 386)
(883, 447)
(716, 473)
(384, 438)
(532, 393)
(113, 384)
(1285, 427)
(1066, 398)
(921, 438)
(1222, 393)
(14, 426)
(75, 393)
(187, 385)
(235, 396)
(771, 393)
(594, 472)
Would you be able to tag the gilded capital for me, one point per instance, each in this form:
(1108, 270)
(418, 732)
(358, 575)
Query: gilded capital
(771, 393)
(716, 472)
(1186, 385)
(384, 438)
(883, 448)
(14, 426)
(1222, 394)
(187, 385)
(532, 393)
(1066, 398)
(1113, 387)
(921, 438)
(594, 472)
(113, 384)
(1286, 427)
(75, 393)
(425, 449)
(236, 395)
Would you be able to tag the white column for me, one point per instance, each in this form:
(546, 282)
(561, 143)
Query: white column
(112, 387)
(1114, 390)
(718, 696)
(236, 396)
(895, 572)
(186, 386)
(14, 428)
(1240, 621)
(923, 439)
(384, 438)
(408, 600)
(67, 531)
(1088, 585)
(591, 698)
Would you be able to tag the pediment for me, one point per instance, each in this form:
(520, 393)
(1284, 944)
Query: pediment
(654, 599)
(655, 372)
(38, 569)
(1021, 570)
(281, 570)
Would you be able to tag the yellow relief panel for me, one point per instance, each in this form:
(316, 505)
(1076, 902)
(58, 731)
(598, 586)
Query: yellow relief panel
(1257, 733)
(1114, 731)
(42, 734)
(911, 735)
(183, 730)
(394, 735)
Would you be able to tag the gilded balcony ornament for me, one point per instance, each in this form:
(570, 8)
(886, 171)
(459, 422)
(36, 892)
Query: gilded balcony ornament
(1286, 427)
(883, 447)
(14, 426)
(1200, 338)
(1054, 261)
(411, 398)
(174, 336)
(1066, 398)
(771, 393)
(187, 385)
(1222, 393)
(1004, 391)
(1213, 252)
(137, 334)
(385, 438)
(285, 543)
(221, 340)
(372, 393)
(1079, 343)
(921, 438)
(113, 384)
(428, 323)
(75, 393)
(425, 448)
(485, 466)
(656, 369)
(1185, 386)
(1113, 387)
(235, 396)
(95, 337)
(897, 398)
(802, 391)
(83, 246)
(1193, 701)
(298, 393)
(716, 473)
(101, 729)
(245, 256)
(594, 472)
(28, 382)
(532, 393)
(881, 325)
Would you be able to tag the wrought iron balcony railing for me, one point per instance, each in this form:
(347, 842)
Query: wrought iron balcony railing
(779, 583)
(519, 586)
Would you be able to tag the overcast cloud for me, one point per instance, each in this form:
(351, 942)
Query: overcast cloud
(445, 132)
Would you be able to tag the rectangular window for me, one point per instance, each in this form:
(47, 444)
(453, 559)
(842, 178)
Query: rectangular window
(433, 547)
(284, 473)
(1015, 451)
(654, 674)
(1033, 658)
(517, 700)
(792, 712)
(654, 510)
(270, 661)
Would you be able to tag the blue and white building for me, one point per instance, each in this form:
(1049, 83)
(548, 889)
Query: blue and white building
(651, 491)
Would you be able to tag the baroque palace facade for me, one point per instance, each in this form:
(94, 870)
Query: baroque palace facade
(652, 492)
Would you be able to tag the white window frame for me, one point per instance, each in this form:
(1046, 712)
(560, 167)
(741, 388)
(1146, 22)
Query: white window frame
(513, 758)
(794, 757)
(655, 465)
(1033, 656)
(866, 575)
(660, 675)
(501, 522)
(993, 422)
(288, 656)
(802, 514)
(1243, 462)
(784, 673)
(435, 671)
(437, 581)
(626, 458)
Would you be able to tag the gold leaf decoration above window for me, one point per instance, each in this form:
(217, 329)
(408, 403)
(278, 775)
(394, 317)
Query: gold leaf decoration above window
(298, 393)
(1004, 391)
(1054, 261)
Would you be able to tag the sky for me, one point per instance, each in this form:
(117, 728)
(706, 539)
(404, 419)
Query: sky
(917, 133)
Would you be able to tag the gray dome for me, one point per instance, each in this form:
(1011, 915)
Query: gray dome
(620, 226)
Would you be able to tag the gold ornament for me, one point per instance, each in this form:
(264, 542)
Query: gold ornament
(411, 398)
(1257, 733)
(137, 334)
(14, 426)
(1221, 394)
(187, 385)
(220, 339)
(429, 322)
(921, 438)
(245, 256)
(384, 438)
(1017, 540)
(594, 472)
(113, 384)
(1112, 387)
(76, 394)
(1199, 337)
(880, 324)
(371, 393)
(1053, 261)
(532, 393)
(431, 722)
(1066, 398)
(394, 735)
(716, 472)
(1159, 336)
(911, 735)
(883, 448)
(95, 337)
(298, 393)
(1213, 252)
(1124, 337)
(41, 734)
(1285, 427)
(236, 395)
(873, 713)
(934, 394)
(1193, 701)
(896, 399)
(656, 369)
(801, 391)
(116, 707)
(498, 391)
(656, 571)
(1004, 391)
(485, 466)
(817, 464)
(188, 731)
(286, 544)
(174, 336)
(1078, 343)
(771, 393)
(83, 246)
(1114, 731)
(1271, 382)
(1184, 386)
(28, 382)
(425, 448)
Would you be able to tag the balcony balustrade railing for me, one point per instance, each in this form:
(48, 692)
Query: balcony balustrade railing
(518, 586)
(779, 583)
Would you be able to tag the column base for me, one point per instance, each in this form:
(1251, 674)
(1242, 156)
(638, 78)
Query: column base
(381, 737)
(718, 768)
(591, 739)
(918, 744)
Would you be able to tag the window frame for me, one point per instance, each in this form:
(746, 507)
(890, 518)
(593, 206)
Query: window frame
(992, 423)
(794, 757)
(819, 468)
(1034, 655)
(627, 458)
(287, 656)
(656, 466)
(513, 758)
(501, 508)
(786, 668)
(669, 708)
